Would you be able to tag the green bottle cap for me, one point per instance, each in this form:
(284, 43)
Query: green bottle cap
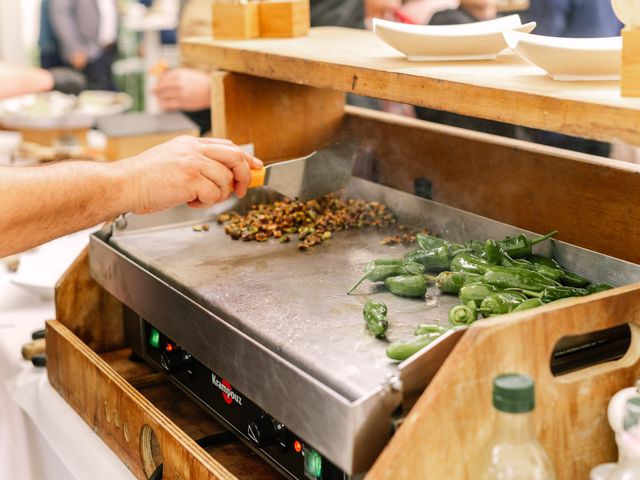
(513, 393)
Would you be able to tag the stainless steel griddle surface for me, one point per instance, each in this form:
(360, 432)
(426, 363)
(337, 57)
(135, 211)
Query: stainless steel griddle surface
(295, 304)
(292, 302)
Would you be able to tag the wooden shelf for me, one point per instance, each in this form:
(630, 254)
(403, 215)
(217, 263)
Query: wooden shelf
(507, 89)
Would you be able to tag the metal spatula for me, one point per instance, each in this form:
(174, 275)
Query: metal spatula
(318, 174)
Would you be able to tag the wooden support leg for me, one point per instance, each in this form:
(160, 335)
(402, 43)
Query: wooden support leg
(88, 310)
(281, 119)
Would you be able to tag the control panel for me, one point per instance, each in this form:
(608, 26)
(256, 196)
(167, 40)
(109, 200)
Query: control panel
(287, 452)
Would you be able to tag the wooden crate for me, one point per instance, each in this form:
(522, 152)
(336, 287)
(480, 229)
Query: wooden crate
(142, 417)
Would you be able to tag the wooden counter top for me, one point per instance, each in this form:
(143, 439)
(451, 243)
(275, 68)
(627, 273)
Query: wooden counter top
(507, 89)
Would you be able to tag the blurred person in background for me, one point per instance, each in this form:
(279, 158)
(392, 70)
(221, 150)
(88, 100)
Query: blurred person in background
(576, 19)
(47, 44)
(86, 32)
(573, 18)
(468, 11)
(188, 88)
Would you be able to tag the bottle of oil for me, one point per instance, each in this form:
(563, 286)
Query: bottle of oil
(513, 452)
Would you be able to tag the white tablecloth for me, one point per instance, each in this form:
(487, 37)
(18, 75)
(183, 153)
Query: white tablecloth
(41, 436)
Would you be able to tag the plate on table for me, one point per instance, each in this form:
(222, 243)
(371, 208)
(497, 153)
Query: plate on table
(470, 41)
(50, 110)
(570, 59)
(40, 269)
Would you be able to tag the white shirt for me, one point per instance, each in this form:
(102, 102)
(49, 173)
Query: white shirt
(108, 29)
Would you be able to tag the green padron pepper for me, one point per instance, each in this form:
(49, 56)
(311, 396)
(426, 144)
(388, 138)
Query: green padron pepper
(429, 242)
(501, 303)
(452, 282)
(411, 286)
(403, 349)
(520, 278)
(493, 253)
(522, 246)
(603, 287)
(429, 328)
(375, 316)
(551, 294)
(380, 270)
(554, 274)
(457, 248)
(468, 262)
(569, 279)
(476, 247)
(462, 315)
(476, 293)
(528, 305)
(434, 260)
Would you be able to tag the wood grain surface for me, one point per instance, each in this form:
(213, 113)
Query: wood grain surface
(88, 310)
(118, 413)
(506, 90)
(593, 202)
(454, 417)
(282, 120)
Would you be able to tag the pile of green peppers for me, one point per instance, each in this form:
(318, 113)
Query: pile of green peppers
(491, 278)
(506, 276)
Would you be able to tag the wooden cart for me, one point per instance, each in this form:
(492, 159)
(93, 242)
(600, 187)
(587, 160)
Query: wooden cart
(287, 97)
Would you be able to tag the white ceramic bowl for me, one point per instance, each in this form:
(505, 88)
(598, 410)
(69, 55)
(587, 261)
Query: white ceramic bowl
(570, 59)
(470, 41)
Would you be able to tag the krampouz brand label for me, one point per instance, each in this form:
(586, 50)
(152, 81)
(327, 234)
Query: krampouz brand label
(228, 395)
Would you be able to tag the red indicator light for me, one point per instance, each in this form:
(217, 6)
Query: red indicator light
(169, 347)
(297, 446)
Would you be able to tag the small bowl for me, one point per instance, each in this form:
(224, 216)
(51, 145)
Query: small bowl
(570, 59)
(470, 41)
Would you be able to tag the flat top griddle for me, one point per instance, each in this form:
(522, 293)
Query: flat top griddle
(292, 302)
(278, 323)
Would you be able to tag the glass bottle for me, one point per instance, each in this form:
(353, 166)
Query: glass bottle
(513, 451)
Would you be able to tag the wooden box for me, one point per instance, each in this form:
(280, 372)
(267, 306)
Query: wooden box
(630, 76)
(141, 416)
(236, 20)
(284, 18)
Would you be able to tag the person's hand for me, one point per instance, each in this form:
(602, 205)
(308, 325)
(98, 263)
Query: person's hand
(381, 8)
(79, 60)
(184, 89)
(197, 171)
(481, 9)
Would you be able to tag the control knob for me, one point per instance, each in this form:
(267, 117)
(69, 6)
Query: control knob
(176, 361)
(265, 430)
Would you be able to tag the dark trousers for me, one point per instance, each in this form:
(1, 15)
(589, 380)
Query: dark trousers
(98, 71)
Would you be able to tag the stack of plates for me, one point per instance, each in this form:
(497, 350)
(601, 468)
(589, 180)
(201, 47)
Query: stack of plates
(52, 110)
(471, 41)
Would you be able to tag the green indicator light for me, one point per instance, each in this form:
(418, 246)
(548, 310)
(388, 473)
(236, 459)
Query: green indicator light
(312, 464)
(154, 338)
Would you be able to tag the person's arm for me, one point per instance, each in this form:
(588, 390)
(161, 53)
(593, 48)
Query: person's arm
(42, 203)
(20, 80)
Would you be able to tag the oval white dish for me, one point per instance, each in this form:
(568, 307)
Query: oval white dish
(470, 41)
(570, 59)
